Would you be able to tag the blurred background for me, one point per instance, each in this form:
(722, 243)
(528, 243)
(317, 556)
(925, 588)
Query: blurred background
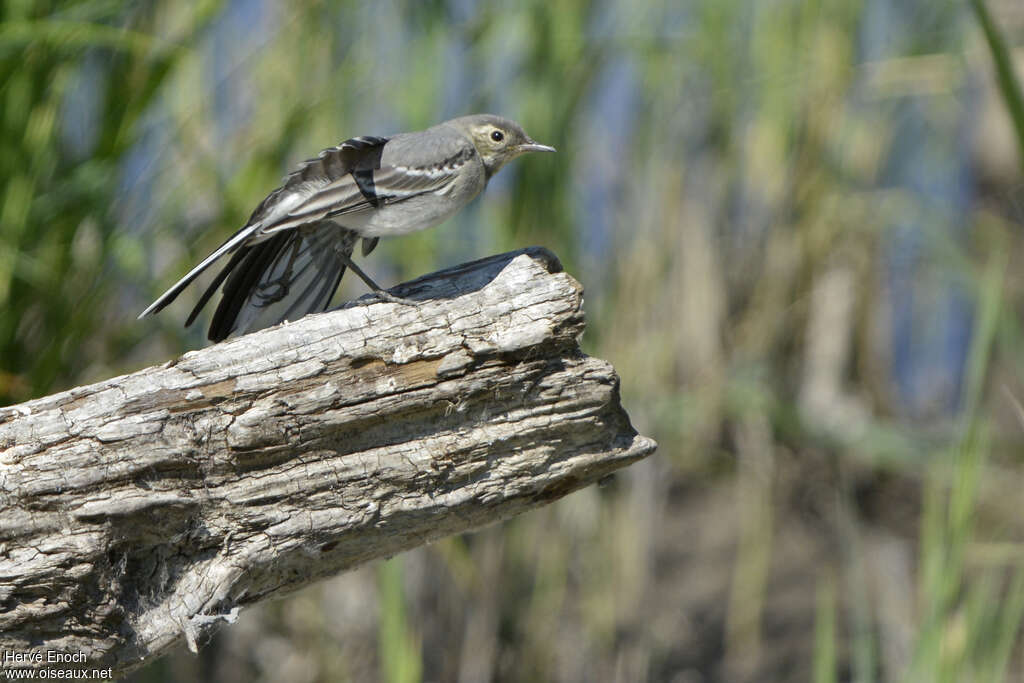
(799, 224)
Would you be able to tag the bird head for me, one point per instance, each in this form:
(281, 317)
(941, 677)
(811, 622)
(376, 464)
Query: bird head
(497, 140)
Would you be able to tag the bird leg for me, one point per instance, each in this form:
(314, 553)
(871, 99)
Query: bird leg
(378, 291)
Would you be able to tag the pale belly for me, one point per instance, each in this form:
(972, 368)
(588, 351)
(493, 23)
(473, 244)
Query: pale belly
(411, 215)
(416, 213)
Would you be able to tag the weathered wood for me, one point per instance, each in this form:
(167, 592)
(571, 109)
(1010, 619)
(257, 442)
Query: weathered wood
(152, 506)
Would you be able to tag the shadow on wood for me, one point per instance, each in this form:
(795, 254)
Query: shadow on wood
(153, 506)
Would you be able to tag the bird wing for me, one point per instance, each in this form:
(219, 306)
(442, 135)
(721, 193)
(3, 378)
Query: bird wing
(356, 155)
(365, 190)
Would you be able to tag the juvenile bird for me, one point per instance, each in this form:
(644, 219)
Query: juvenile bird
(289, 257)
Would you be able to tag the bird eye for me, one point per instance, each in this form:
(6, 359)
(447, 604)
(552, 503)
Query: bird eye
(497, 136)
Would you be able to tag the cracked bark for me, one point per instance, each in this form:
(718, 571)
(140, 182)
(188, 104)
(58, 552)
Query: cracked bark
(153, 506)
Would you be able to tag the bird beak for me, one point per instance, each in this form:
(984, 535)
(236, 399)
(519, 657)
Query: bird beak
(534, 146)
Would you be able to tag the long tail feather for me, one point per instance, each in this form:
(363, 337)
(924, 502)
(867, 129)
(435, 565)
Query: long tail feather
(172, 293)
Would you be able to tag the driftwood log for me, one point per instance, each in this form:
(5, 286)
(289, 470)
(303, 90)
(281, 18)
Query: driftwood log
(152, 506)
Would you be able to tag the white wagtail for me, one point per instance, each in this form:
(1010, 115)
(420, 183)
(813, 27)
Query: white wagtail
(289, 258)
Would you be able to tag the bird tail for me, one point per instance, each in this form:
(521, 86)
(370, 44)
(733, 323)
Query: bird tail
(172, 293)
(282, 278)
